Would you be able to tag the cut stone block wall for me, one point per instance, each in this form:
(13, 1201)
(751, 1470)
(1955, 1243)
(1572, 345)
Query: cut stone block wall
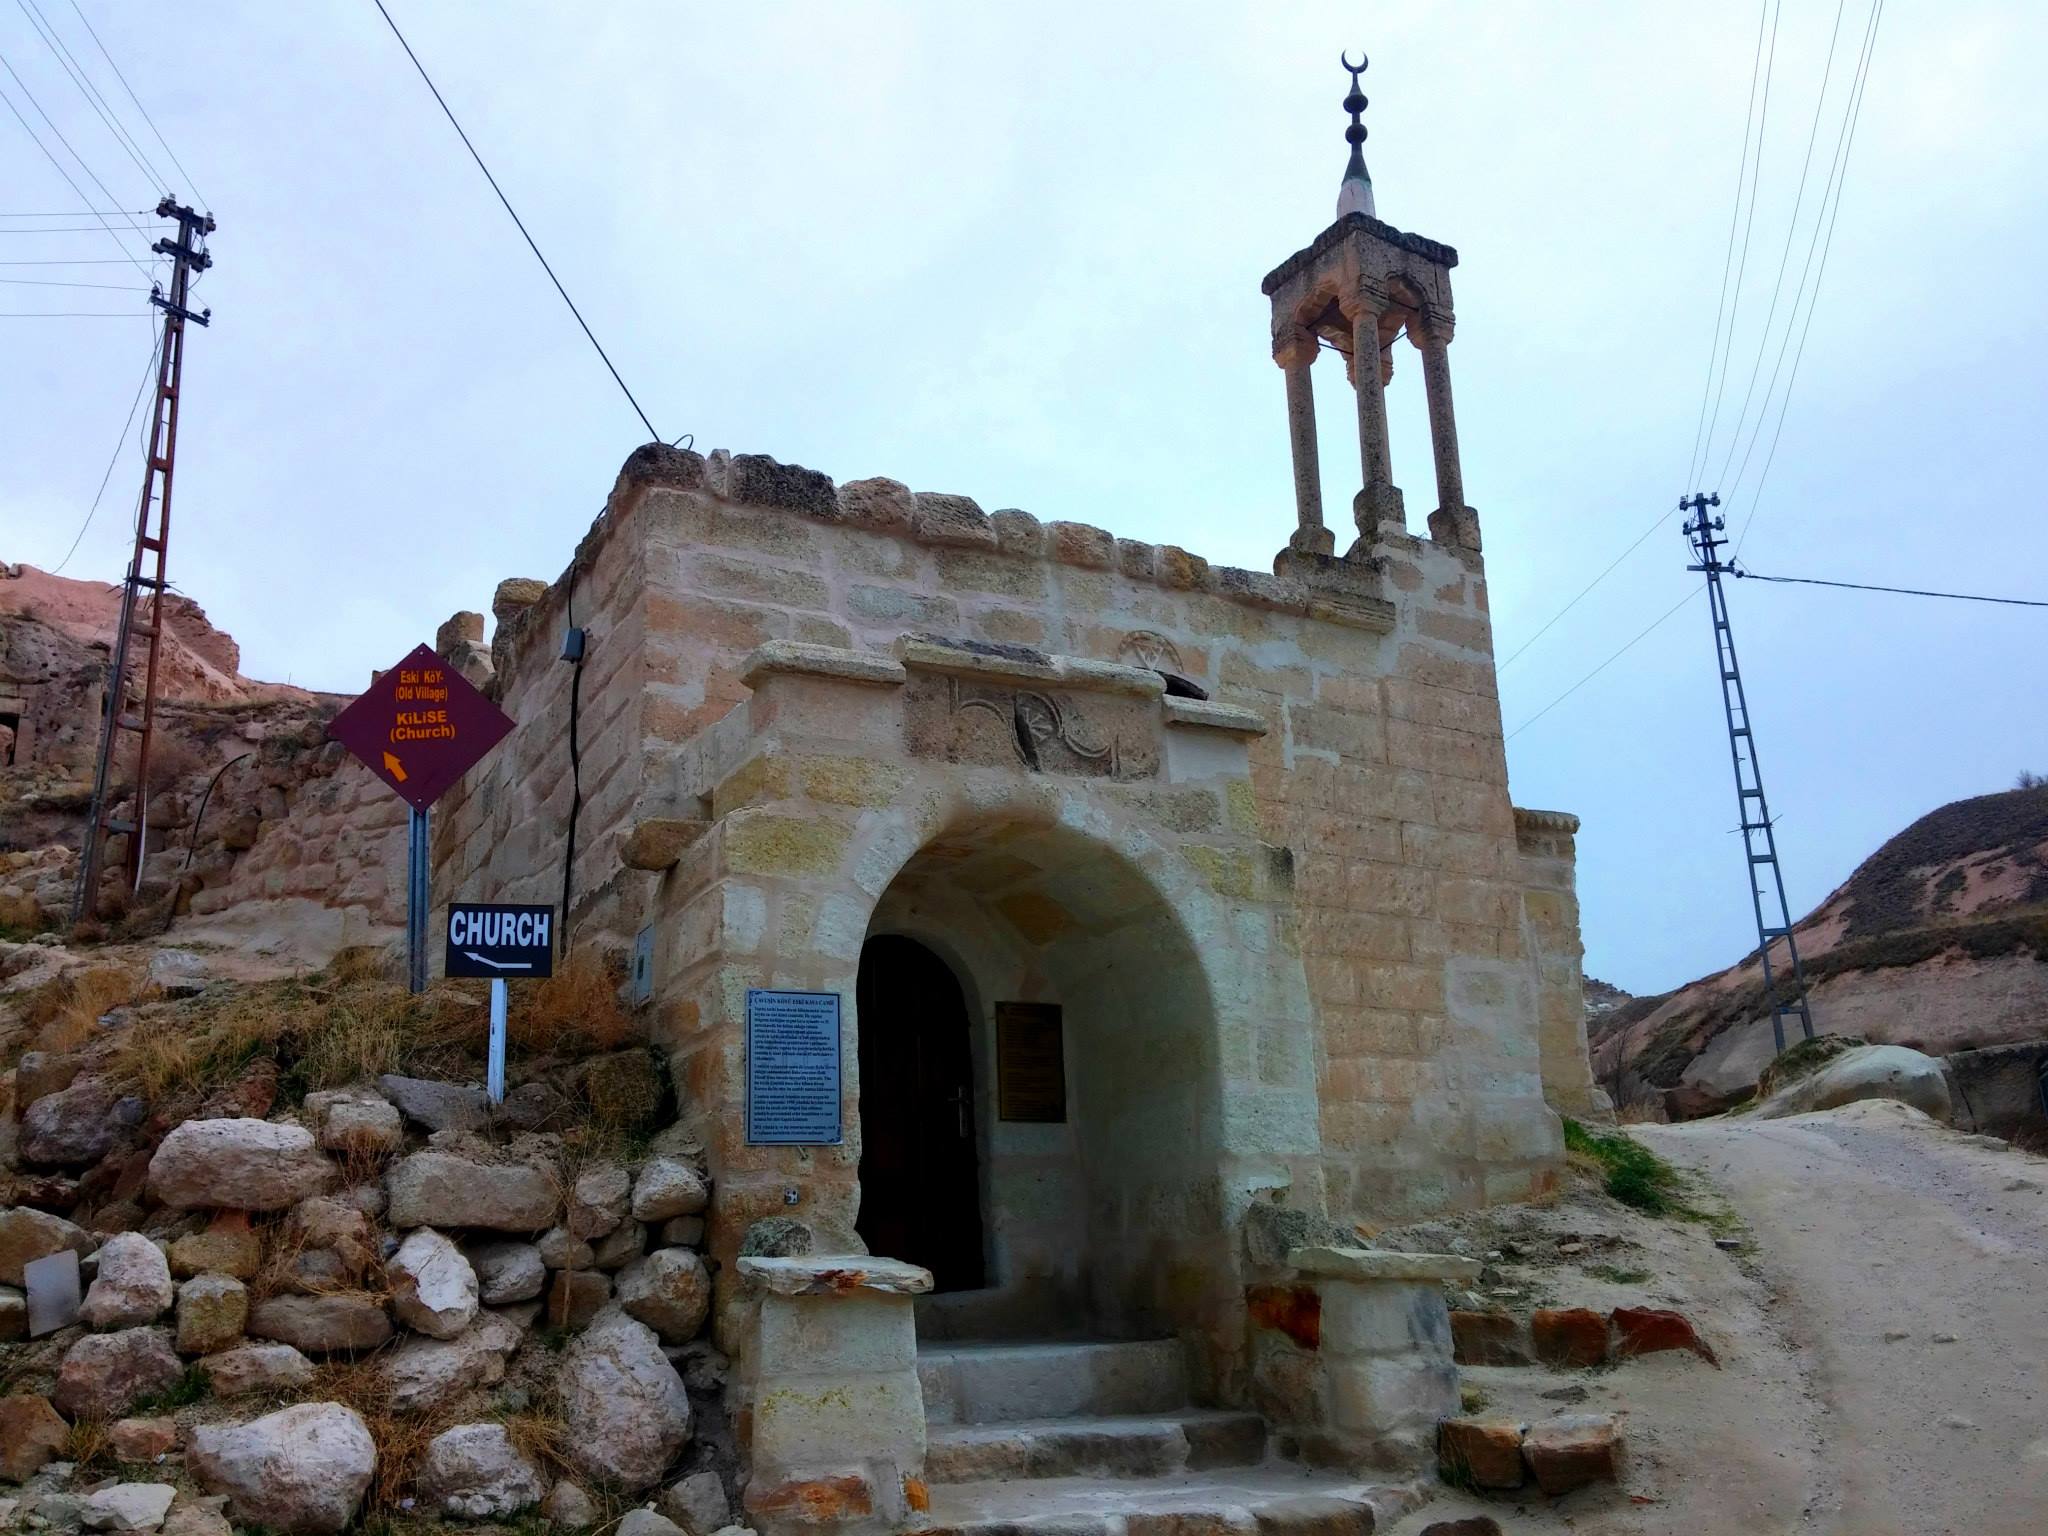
(1379, 789)
(1546, 841)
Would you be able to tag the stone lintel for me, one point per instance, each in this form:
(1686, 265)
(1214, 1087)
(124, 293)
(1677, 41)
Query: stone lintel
(1207, 714)
(1379, 1264)
(1021, 664)
(802, 658)
(835, 1274)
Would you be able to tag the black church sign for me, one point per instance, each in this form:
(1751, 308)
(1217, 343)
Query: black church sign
(504, 941)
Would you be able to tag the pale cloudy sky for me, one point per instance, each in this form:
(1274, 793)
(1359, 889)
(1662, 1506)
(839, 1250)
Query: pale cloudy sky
(1014, 251)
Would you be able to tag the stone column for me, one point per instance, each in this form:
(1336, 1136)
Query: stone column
(1351, 1356)
(831, 1401)
(1380, 500)
(1295, 356)
(1434, 341)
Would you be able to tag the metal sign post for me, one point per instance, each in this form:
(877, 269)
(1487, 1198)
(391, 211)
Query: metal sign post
(420, 727)
(499, 939)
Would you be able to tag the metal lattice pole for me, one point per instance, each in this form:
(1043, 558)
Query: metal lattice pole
(142, 591)
(1759, 841)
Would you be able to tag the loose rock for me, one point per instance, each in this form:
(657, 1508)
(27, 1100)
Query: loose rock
(645, 1522)
(1487, 1338)
(213, 1312)
(1569, 1336)
(198, 1517)
(13, 1315)
(104, 1372)
(621, 1247)
(142, 1439)
(474, 1472)
(133, 1286)
(355, 1122)
(229, 1246)
(698, 1504)
(443, 1189)
(623, 1405)
(349, 1321)
(32, 1434)
(1646, 1330)
(250, 1165)
(1484, 1453)
(597, 1201)
(129, 1507)
(72, 1127)
(302, 1469)
(437, 1106)
(560, 1249)
(1571, 1451)
(256, 1368)
(27, 1235)
(424, 1373)
(670, 1291)
(433, 1289)
(567, 1504)
(667, 1187)
(507, 1271)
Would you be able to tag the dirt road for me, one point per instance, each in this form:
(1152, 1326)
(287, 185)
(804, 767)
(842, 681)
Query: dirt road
(1910, 1265)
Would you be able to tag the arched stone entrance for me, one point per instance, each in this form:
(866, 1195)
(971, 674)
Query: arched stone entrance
(1095, 1055)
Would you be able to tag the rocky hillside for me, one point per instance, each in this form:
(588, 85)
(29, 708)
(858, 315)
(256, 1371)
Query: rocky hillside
(1938, 941)
(324, 1278)
(297, 848)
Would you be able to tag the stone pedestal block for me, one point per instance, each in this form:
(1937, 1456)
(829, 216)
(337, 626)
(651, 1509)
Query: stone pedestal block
(1367, 1385)
(830, 1403)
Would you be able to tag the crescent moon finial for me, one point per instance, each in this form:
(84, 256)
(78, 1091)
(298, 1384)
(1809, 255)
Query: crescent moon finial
(1357, 69)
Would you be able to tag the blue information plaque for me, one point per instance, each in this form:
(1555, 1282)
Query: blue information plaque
(793, 1068)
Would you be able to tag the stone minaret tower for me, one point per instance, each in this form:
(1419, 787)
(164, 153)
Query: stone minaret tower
(1356, 289)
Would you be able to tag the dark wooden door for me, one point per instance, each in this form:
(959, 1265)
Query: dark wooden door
(920, 1193)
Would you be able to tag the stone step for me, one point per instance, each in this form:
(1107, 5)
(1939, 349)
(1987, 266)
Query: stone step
(1276, 1499)
(1193, 1440)
(1005, 1383)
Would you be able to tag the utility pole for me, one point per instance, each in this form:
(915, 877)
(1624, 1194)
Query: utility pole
(142, 594)
(1759, 842)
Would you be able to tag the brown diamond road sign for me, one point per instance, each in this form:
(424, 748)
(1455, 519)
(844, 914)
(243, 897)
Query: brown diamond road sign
(420, 727)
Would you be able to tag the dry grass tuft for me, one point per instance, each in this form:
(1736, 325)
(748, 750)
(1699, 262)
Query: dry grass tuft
(401, 1439)
(65, 1010)
(323, 1032)
(20, 913)
(577, 1009)
(89, 1446)
(542, 1438)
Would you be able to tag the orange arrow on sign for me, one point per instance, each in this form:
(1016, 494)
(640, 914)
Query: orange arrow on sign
(393, 767)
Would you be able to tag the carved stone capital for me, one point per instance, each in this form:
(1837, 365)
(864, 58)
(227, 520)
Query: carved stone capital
(1432, 325)
(1297, 349)
(1379, 506)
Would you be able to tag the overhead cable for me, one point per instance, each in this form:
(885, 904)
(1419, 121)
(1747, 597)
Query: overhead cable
(479, 159)
(1575, 687)
(116, 68)
(148, 373)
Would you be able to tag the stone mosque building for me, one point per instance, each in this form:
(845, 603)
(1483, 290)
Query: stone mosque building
(1078, 938)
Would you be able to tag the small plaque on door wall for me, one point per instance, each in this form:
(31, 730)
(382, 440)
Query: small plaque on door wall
(793, 1068)
(1031, 1063)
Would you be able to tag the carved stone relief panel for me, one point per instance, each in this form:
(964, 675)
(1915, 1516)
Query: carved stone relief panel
(1042, 730)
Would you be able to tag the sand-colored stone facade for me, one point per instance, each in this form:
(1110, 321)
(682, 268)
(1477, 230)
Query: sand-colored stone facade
(1249, 833)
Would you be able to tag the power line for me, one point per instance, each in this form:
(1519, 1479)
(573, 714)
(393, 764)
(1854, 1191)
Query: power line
(479, 159)
(1748, 226)
(1661, 519)
(46, 282)
(1846, 141)
(93, 99)
(73, 229)
(1863, 586)
(72, 213)
(1728, 256)
(138, 102)
(89, 261)
(74, 314)
(30, 96)
(1575, 687)
(1763, 340)
(147, 374)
